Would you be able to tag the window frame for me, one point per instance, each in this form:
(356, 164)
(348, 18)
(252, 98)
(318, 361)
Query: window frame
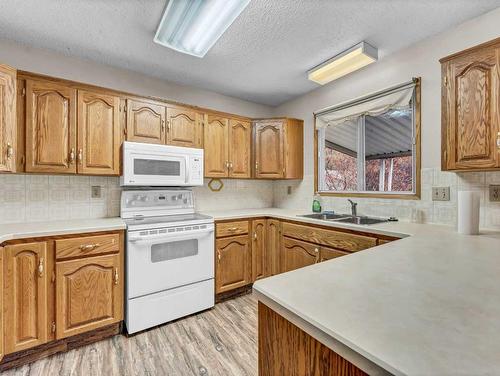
(416, 151)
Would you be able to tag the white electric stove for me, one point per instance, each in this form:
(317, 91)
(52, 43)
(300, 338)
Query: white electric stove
(169, 257)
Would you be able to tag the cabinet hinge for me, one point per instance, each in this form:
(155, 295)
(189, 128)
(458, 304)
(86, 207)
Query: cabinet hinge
(53, 327)
(445, 80)
(125, 131)
(23, 93)
(23, 160)
(125, 107)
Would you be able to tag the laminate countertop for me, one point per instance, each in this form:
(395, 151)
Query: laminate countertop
(427, 304)
(51, 228)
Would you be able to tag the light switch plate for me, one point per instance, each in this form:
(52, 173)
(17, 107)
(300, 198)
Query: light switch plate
(96, 191)
(494, 193)
(440, 193)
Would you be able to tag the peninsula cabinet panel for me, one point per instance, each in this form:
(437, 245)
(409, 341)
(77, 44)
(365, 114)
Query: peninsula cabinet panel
(1, 304)
(233, 268)
(297, 254)
(89, 294)
(273, 246)
(25, 296)
(240, 141)
(184, 127)
(269, 149)
(216, 154)
(99, 135)
(50, 127)
(146, 121)
(8, 124)
(470, 109)
(260, 266)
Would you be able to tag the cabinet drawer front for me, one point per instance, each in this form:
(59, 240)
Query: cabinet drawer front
(336, 239)
(231, 228)
(87, 246)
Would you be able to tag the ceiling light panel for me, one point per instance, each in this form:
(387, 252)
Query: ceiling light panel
(347, 62)
(193, 26)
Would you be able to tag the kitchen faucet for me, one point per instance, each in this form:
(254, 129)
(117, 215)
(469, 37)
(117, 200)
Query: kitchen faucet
(354, 207)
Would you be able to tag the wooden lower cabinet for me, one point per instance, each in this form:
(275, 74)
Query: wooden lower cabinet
(326, 253)
(89, 294)
(25, 296)
(297, 254)
(285, 349)
(260, 266)
(233, 263)
(273, 245)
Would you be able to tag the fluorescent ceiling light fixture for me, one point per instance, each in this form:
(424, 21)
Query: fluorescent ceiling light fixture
(344, 63)
(193, 26)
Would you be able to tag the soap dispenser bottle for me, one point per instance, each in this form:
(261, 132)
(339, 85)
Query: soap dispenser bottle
(316, 206)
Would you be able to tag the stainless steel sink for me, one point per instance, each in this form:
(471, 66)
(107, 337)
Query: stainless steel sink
(361, 220)
(325, 216)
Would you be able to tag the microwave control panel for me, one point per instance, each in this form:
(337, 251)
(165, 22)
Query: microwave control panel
(196, 171)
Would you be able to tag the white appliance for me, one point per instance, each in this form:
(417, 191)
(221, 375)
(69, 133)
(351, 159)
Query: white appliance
(161, 165)
(169, 258)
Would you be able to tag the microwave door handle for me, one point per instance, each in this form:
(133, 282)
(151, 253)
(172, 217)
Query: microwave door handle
(169, 238)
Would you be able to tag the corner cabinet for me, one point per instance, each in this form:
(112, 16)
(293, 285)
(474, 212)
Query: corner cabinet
(279, 148)
(7, 119)
(470, 109)
(297, 254)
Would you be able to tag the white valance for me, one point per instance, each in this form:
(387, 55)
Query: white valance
(374, 104)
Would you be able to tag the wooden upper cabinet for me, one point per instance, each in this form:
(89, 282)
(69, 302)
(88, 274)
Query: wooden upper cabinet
(297, 254)
(240, 141)
(233, 263)
(25, 296)
(269, 149)
(260, 266)
(50, 127)
(470, 109)
(216, 146)
(7, 119)
(184, 127)
(146, 121)
(89, 294)
(99, 136)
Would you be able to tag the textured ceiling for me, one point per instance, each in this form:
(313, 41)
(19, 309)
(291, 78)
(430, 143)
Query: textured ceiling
(262, 57)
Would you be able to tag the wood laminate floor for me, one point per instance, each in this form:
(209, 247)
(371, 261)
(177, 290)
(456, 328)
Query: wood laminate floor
(220, 341)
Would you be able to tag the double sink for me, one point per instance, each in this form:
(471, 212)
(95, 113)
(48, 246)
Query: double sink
(345, 218)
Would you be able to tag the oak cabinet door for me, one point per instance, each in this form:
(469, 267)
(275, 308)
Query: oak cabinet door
(50, 127)
(7, 119)
(184, 127)
(273, 246)
(216, 156)
(269, 149)
(98, 134)
(240, 136)
(297, 254)
(25, 296)
(260, 267)
(471, 110)
(146, 121)
(89, 294)
(233, 268)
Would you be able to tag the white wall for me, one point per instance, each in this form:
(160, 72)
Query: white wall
(418, 60)
(58, 65)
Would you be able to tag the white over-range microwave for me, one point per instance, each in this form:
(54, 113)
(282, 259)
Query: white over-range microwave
(161, 165)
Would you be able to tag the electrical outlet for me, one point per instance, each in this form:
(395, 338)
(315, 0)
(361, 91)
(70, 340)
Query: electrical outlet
(494, 193)
(440, 193)
(289, 190)
(96, 191)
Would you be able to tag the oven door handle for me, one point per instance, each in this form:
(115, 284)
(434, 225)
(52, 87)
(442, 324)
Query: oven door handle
(169, 238)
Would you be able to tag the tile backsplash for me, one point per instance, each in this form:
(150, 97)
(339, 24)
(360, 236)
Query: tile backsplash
(31, 198)
(441, 212)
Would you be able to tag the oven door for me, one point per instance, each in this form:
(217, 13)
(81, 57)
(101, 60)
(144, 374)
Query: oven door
(168, 260)
(150, 169)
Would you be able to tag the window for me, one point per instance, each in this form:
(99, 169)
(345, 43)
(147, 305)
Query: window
(371, 145)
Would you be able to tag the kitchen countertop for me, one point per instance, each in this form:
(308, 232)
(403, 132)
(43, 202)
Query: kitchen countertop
(51, 228)
(427, 304)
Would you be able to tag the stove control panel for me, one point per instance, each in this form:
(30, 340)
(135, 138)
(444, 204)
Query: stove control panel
(163, 202)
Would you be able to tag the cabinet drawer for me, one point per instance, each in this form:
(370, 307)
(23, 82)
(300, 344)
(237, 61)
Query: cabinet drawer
(87, 246)
(231, 228)
(335, 239)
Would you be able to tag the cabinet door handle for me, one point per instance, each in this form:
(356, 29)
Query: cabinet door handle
(71, 158)
(40, 267)
(498, 140)
(218, 255)
(316, 251)
(256, 166)
(80, 156)
(232, 229)
(89, 247)
(116, 276)
(53, 327)
(255, 236)
(10, 151)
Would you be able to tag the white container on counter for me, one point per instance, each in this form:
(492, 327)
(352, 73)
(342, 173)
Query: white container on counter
(468, 213)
